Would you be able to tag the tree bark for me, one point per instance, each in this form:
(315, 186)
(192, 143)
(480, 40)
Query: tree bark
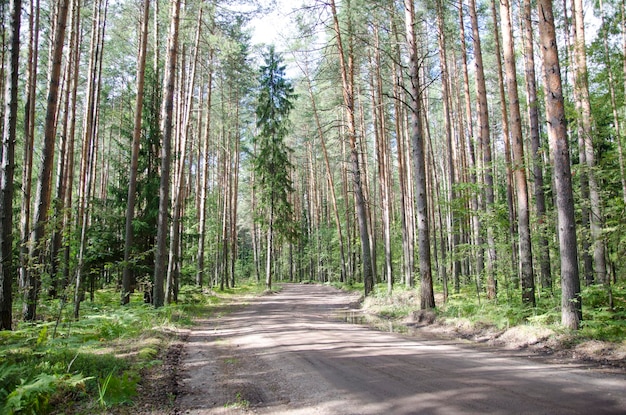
(173, 268)
(8, 167)
(44, 184)
(29, 140)
(90, 145)
(584, 107)
(506, 136)
(205, 173)
(451, 176)
(383, 159)
(473, 164)
(347, 79)
(127, 287)
(167, 120)
(485, 144)
(519, 168)
(427, 298)
(571, 313)
(535, 141)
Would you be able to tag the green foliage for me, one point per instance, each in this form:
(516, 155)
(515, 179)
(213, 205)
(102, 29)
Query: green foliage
(272, 165)
(602, 322)
(33, 397)
(116, 390)
(94, 364)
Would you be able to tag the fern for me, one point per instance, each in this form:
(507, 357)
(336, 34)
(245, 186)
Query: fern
(7, 371)
(33, 397)
(43, 336)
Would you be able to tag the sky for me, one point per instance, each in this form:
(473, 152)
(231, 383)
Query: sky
(272, 27)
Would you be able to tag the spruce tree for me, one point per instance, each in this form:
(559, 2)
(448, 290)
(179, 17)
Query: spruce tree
(271, 163)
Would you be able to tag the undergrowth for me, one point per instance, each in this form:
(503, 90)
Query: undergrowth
(95, 363)
(600, 321)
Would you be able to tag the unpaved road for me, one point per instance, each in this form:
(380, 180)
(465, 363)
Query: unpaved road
(289, 353)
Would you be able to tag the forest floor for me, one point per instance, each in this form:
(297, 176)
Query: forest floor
(309, 349)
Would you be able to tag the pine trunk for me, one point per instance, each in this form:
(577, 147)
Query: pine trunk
(557, 131)
(44, 184)
(519, 168)
(535, 141)
(127, 280)
(204, 178)
(347, 78)
(485, 147)
(584, 107)
(427, 299)
(167, 121)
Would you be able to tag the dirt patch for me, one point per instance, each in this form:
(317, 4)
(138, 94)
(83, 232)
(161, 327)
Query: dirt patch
(538, 341)
(159, 385)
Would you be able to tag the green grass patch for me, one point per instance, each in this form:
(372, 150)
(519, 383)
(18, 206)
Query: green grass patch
(95, 363)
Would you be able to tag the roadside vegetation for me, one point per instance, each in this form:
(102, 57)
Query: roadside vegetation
(99, 363)
(506, 321)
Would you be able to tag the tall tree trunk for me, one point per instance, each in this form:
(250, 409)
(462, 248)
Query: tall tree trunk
(44, 184)
(69, 177)
(620, 139)
(60, 187)
(519, 168)
(173, 267)
(427, 298)
(127, 286)
(506, 136)
(584, 107)
(382, 157)
(406, 210)
(167, 120)
(485, 144)
(535, 141)
(329, 174)
(571, 313)
(29, 139)
(347, 78)
(234, 193)
(269, 247)
(205, 174)
(447, 101)
(8, 167)
(474, 197)
(90, 145)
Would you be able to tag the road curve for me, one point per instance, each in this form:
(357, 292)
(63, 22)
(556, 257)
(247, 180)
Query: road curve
(288, 353)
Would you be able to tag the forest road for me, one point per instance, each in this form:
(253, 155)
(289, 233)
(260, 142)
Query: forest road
(290, 353)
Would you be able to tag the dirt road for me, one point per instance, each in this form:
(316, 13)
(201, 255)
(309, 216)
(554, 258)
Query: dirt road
(289, 353)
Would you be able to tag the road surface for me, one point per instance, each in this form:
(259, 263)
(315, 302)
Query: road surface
(291, 353)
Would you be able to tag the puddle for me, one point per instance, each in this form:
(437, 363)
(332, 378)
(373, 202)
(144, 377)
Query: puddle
(375, 322)
(351, 316)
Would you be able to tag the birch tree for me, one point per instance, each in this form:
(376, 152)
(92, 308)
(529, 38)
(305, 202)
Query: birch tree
(8, 167)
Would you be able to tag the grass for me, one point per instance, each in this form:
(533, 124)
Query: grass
(600, 322)
(95, 363)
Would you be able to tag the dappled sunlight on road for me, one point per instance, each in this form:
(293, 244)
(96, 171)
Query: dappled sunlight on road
(291, 353)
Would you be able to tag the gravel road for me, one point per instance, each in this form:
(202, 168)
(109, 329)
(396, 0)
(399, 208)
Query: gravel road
(293, 353)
